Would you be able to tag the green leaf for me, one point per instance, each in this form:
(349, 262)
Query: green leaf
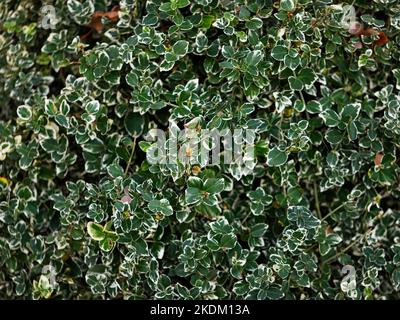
(107, 244)
(195, 182)
(207, 21)
(314, 107)
(214, 186)
(49, 144)
(99, 72)
(307, 76)
(254, 57)
(132, 79)
(228, 52)
(201, 42)
(295, 84)
(115, 170)
(24, 112)
(350, 112)
(150, 20)
(276, 157)
(259, 196)
(180, 48)
(166, 66)
(396, 73)
(134, 124)
(144, 145)
(303, 217)
(103, 59)
(228, 241)
(182, 3)
(182, 215)
(288, 5)
(292, 62)
(24, 193)
(279, 52)
(213, 244)
(240, 288)
(258, 230)
(221, 226)
(274, 293)
(161, 206)
(92, 107)
(192, 195)
(352, 131)
(334, 136)
(95, 231)
(396, 279)
(330, 117)
(254, 23)
(165, 7)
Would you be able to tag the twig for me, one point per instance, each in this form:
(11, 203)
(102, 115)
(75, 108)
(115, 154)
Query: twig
(131, 156)
(317, 200)
(333, 211)
(246, 217)
(236, 202)
(348, 247)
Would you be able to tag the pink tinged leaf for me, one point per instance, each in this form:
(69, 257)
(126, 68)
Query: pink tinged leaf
(126, 199)
(126, 190)
(378, 159)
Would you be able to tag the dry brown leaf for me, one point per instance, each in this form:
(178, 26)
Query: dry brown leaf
(96, 24)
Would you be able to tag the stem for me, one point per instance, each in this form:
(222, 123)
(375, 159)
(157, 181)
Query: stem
(131, 156)
(347, 248)
(302, 97)
(304, 102)
(281, 135)
(173, 105)
(236, 202)
(136, 9)
(333, 211)
(246, 217)
(317, 200)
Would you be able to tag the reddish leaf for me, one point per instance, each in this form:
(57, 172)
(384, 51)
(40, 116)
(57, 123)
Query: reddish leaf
(383, 39)
(378, 159)
(96, 24)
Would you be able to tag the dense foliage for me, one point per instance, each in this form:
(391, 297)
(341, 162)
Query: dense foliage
(84, 215)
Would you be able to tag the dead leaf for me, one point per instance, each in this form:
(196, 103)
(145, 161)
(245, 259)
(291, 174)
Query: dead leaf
(96, 24)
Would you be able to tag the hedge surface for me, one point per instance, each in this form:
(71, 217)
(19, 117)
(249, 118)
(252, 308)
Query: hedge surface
(85, 215)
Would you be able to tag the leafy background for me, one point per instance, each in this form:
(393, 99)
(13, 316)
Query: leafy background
(78, 196)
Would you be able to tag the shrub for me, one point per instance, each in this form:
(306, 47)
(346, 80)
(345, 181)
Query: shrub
(86, 214)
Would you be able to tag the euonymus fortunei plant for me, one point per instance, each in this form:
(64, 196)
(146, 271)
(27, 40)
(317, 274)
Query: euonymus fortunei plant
(93, 204)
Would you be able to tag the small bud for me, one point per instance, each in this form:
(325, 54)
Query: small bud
(205, 194)
(196, 170)
(158, 216)
(126, 198)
